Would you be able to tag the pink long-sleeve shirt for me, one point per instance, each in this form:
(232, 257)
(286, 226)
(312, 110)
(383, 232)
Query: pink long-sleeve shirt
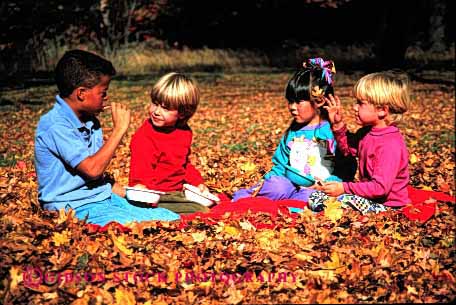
(383, 164)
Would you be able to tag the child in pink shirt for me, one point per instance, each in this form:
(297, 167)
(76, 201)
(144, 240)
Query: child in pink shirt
(382, 154)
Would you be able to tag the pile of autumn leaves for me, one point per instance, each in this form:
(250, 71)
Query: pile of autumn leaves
(337, 256)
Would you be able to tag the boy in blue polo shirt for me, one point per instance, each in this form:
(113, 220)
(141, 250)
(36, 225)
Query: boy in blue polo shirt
(70, 156)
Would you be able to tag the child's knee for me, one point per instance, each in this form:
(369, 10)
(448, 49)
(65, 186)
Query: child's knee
(277, 187)
(242, 193)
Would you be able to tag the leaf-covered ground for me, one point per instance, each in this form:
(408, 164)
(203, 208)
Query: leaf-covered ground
(380, 258)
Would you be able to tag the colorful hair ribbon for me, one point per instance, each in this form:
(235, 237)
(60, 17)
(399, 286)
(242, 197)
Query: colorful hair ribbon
(327, 67)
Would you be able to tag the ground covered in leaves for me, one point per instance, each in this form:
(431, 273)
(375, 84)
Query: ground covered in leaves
(51, 258)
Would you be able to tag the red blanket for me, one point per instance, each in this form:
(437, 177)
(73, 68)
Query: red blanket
(422, 208)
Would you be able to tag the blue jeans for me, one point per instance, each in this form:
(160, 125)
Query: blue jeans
(118, 209)
(276, 188)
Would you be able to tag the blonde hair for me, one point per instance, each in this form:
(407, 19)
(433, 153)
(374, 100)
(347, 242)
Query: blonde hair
(387, 88)
(176, 91)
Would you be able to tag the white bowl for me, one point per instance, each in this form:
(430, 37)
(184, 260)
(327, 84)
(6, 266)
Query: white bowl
(193, 193)
(143, 195)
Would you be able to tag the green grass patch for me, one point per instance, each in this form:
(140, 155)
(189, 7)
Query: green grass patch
(7, 160)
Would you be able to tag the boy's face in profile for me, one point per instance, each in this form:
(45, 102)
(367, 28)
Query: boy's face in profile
(365, 113)
(95, 98)
(162, 116)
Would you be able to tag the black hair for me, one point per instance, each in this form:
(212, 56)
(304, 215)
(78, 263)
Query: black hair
(80, 68)
(300, 85)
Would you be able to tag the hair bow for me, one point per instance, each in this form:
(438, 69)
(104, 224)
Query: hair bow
(327, 66)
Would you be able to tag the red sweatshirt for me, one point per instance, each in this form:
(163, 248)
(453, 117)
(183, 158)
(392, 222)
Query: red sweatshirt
(160, 160)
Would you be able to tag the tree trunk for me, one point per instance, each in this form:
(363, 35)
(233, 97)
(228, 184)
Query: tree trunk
(395, 33)
(436, 32)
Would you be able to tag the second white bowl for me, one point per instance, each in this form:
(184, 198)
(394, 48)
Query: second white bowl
(143, 195)
(193, 193)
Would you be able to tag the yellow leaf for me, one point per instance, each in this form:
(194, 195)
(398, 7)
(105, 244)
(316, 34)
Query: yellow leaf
(398, 236)
(231, 230)
(317, 91)
(333, 209)
(411, 290)
(199, 237)
(61, 239)
(16, 277)
(207, 284)
(119, 244)
(426, 188)
(248, 167)
(63, 216)
(268, 241)
(246, 225)
(413, 142)
(50, 295)
(334, 263)
(303, 257)
(413, 159)
(219, 227)
(124, 297)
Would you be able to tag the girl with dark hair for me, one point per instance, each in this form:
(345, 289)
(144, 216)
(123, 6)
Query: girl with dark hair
(306, 152)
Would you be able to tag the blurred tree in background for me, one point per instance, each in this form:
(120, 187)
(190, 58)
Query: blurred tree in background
(34, 31)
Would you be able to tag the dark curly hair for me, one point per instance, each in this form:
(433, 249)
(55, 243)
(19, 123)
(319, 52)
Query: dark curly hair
(79, 68)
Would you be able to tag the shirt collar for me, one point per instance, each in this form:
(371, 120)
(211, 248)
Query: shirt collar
(295, 126)
(384, 130)
(68, 113)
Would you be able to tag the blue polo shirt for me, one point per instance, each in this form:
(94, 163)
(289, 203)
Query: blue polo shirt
(62, 141)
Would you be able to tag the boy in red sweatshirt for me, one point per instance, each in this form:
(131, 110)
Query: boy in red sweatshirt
(160, 148)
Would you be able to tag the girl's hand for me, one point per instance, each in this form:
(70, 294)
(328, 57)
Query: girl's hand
(333, 188)
(334, 111)
(318, 185)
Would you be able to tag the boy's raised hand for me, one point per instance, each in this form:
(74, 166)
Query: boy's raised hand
(120, 117)
(334, 111)
(94, 166)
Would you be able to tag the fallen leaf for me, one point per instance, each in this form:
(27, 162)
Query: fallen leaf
(61, 239)
(199, 237)
(124, 296)
(333, 209)
(248, 167)
(119, 243)
(16, 277)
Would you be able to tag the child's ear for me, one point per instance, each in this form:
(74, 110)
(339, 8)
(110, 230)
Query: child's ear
(80, 93)
(382, 111)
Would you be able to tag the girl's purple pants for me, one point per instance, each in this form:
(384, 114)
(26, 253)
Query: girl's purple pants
(276, 188)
